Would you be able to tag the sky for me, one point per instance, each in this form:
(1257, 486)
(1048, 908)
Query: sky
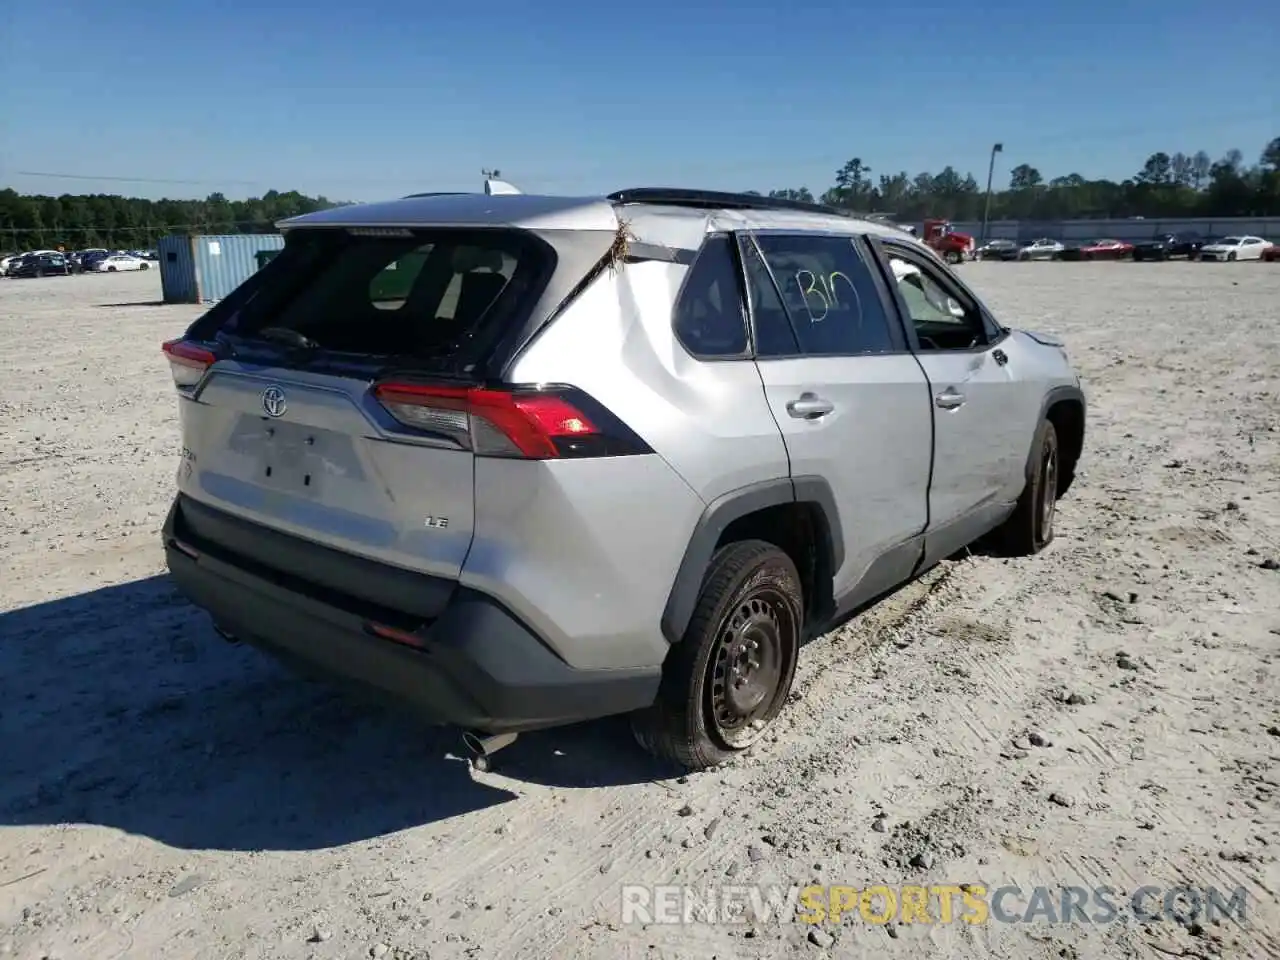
(368, 99)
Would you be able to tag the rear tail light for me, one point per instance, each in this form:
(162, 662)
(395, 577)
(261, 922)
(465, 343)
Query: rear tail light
(545, 423)
(187, 361)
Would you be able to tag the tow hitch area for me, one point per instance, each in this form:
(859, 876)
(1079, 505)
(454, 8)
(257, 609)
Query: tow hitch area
(482, 747)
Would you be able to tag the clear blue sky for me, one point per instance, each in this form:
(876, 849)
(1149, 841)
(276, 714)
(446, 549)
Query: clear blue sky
(363, 100)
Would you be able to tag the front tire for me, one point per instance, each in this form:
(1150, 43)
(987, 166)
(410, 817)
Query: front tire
(1231, 258)
(953, 257)
(1029, 529)
(111, 269)
(729, 676)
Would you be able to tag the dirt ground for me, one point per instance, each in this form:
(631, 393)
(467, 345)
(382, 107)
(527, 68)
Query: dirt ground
(1104, 714)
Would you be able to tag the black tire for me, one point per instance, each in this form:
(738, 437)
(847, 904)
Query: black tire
(952, 257)
(39, 274)
(1231, 257)
(111, 269)
(1029, 529)
(749, 616)
(144, 266)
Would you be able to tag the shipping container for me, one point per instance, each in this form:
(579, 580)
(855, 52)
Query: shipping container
(203, 269)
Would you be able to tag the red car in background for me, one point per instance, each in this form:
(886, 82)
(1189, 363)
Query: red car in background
(1272, 253)
(1098, 250)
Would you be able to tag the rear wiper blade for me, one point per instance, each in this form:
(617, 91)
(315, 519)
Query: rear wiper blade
(287, 336)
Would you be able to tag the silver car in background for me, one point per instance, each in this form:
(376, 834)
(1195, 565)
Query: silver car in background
(1041, 249)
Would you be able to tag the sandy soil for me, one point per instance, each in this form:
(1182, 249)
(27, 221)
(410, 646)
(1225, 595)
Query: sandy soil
(163, 794)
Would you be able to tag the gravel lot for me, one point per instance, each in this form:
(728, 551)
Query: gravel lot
(165, 795)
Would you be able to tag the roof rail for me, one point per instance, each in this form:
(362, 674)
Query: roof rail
(436, 193)
(720, 200)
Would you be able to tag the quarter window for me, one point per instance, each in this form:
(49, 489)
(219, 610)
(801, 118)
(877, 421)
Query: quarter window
(710, 315)
(827, 294)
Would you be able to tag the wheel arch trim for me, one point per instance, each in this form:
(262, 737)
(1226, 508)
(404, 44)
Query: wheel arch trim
(1056, 395)
(734, 505)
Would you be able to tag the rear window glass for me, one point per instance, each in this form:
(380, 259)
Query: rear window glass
(419, 294)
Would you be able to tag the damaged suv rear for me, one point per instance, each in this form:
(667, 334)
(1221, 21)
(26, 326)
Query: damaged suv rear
(361, 490)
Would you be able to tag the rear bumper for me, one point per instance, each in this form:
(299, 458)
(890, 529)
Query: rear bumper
(474, 664)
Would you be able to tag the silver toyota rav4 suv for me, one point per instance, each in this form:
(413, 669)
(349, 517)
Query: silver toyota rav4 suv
(523, 460)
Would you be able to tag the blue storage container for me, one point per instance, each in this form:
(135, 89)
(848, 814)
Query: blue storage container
(203, 269)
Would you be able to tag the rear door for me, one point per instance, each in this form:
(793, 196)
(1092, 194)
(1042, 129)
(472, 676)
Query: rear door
(286, 430)
(984, 413)
(851, 400)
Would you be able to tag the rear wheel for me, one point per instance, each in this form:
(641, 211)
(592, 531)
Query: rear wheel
(144, 266)
(1029, 528)
(728, 678)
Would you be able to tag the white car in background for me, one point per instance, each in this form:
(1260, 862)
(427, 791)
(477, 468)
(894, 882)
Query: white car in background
(120, 261)
(1235, 248)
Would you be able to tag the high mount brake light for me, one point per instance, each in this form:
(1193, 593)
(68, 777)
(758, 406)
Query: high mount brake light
(532, 424)
(187, 361)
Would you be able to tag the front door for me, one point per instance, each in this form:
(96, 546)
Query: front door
(980, 434)
(851, 401)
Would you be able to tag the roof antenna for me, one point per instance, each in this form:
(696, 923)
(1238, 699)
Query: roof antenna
(494, 187)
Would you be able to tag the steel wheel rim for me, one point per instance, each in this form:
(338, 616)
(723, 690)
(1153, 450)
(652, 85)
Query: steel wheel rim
(747, 667)
(1048, 489)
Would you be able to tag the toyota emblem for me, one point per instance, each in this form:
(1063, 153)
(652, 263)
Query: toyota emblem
(273, 402)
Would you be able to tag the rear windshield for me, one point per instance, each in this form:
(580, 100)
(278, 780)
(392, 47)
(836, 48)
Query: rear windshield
(420, 293)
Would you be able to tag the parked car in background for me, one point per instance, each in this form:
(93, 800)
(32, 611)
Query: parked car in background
(1244, 247)
(90, 258)
(42, 265)
(997, 250)
(119, 262)
(10, 263)
(1169, 245)
(1041, 249)
(1105, 249)
(1272, 253)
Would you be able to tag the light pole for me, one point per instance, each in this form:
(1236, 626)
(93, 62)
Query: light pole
(991, 169)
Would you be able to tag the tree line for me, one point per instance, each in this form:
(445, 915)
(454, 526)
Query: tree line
(78, 221)
(1169, 185)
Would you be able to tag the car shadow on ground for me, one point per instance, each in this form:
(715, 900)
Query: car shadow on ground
(122, 707)
(136, 303)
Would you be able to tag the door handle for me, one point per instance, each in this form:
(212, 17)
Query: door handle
(809, 406)
(999, 356)
(949, 399)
